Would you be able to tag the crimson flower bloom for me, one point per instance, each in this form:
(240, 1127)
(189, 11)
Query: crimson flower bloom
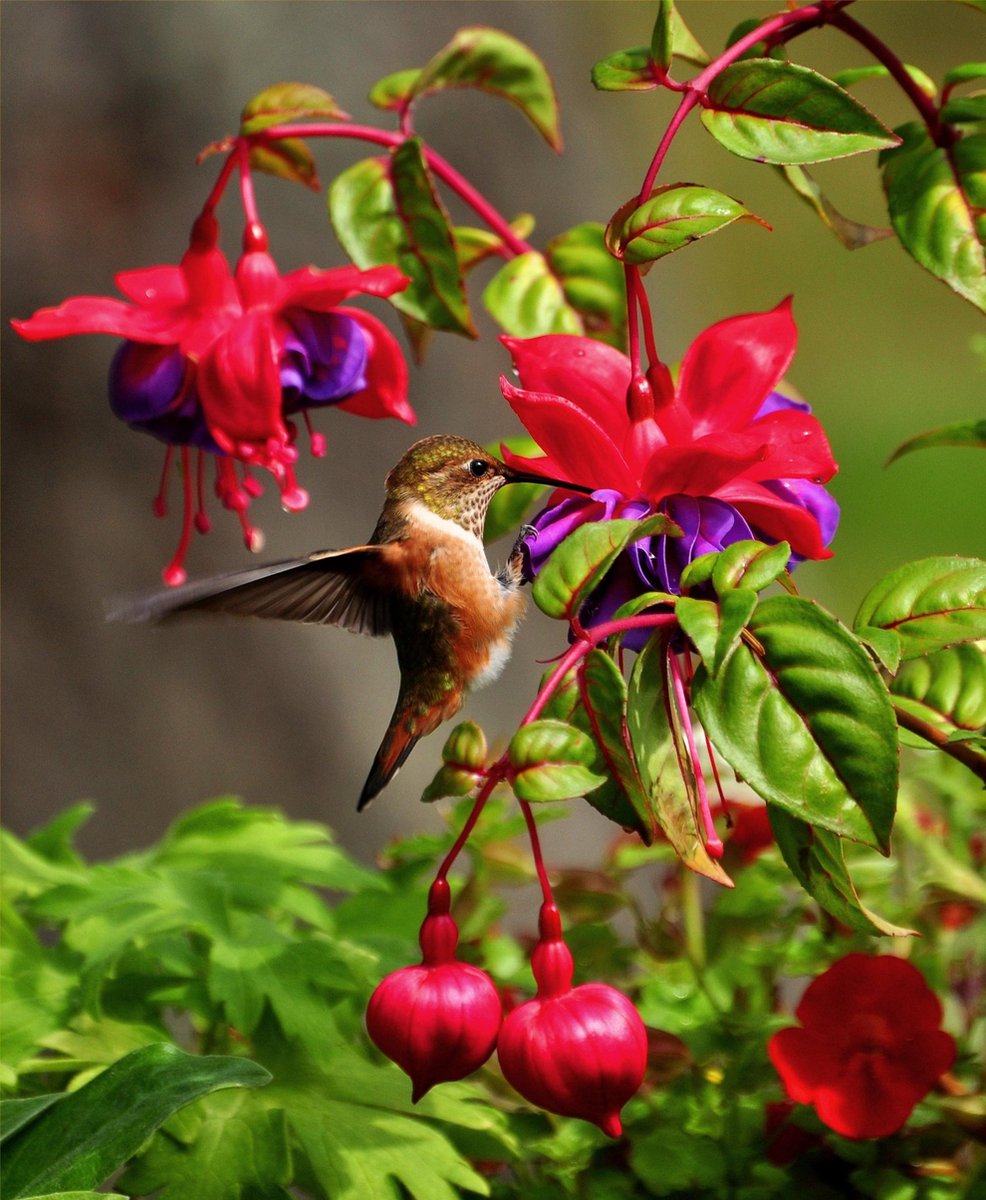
(219, 362)
(578, 1052)
(724, 453)
(869, 1046)
(439, 1020)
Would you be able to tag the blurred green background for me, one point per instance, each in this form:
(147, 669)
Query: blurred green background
(104, 108)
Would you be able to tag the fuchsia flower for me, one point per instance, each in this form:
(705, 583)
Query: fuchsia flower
(438, 1021)
(578, 1052)
(219, 361)
(869, 1046)
(724, 453)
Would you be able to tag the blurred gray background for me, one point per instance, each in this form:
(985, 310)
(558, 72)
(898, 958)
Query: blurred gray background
(104, 108)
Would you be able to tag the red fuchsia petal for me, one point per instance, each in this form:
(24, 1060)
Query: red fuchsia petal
(385, 394)
(796, 447)
(102, 314)
(779, 520)
(163, 286)
(591, 375)
(730, 368)
(240, 389)
(320, 291)
(696, 470)
(580, 447)
(863, 1102)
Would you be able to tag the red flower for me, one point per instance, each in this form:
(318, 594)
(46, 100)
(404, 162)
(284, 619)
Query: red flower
(578, 1052)
(219, 362)
(869, 1047)
(438, 1021)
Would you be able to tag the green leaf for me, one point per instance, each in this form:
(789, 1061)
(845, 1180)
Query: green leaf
(946, 690)
(83, 1139)
(285, 102)
(583, 558)
(356, 1152)
(549, 761)
(15, 1114)
(816, 860)
(852, 234)
(592, 280)
(885, 644)
(286, 158)
(662, 35)
(672, 216)
(385, 211)
(230, 1146)
(494, 62)
(665, 766)
(715, 628)
(603, 694)
(779, 112)
(474, 246)
(750, 565)
(684, 43)
(394, 91)
(937, 203)
(806, 721)
(961, 433)
(965, 73)
(631, 70)
(854, 75)
(527, 299)
(930, 604)
(965, 110)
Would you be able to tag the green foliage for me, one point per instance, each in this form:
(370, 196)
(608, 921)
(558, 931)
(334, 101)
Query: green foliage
(99, 1089)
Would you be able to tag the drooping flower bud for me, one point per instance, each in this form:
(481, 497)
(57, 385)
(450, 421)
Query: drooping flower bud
(579, 1052)
(439, 1020)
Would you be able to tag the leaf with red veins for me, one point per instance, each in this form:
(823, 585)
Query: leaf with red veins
(385, 394)
(321, 291)
(731, 367)
(240, 387)
(589, 373)
(574, 440)
(780, 520)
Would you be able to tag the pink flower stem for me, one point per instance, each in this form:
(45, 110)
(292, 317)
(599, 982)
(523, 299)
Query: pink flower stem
(222, 179)
(632, 276)
(532, 833)
(500, 769)
(441, 167)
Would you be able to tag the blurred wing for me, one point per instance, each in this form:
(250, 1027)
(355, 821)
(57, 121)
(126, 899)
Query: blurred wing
(331, 587)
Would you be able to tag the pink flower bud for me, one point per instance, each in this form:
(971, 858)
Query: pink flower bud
(438, 1021)
(578, 1052)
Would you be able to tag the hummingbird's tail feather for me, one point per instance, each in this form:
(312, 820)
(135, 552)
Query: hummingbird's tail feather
(397, 744)
(332, 587)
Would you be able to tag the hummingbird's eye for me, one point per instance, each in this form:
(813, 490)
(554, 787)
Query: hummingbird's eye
(478, 468)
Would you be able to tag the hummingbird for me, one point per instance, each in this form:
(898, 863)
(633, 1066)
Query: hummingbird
(422, 578)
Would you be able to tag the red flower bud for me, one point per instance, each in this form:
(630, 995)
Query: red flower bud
(438, 1021)
(578, 1052)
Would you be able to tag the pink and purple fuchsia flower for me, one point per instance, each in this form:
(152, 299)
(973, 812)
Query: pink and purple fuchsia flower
(725, 453)
(219, 362)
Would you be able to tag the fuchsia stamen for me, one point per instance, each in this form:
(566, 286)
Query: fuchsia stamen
(174, 574)
(159, 504)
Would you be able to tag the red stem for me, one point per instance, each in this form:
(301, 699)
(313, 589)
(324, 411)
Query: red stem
(883, 54)
(441, 167)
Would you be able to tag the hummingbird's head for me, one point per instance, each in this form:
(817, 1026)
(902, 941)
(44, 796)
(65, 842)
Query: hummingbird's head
(455, 478)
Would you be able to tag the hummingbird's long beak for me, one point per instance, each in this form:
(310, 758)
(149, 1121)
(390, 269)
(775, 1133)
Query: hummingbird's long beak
(513, 476)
